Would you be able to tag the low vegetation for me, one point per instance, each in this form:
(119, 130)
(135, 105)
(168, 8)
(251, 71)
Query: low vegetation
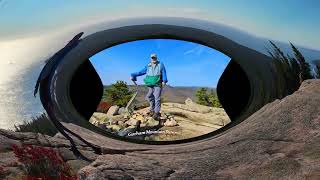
(42, 163)
(117, 94)
(292, 70)
(317, 70)
(207, 98)
(40, 124)
(103, 107)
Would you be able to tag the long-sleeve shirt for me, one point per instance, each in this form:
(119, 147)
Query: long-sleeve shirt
(144, 71)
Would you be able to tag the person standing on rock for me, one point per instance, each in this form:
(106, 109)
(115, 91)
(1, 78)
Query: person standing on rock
(155, 80)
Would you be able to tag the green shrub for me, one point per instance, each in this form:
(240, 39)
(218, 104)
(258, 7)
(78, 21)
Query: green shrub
(207, 98)
(117, 94)
(202, 96)
(214, 101)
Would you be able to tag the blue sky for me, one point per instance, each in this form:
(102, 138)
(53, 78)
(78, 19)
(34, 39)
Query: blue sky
(285, 20)
(187, 63)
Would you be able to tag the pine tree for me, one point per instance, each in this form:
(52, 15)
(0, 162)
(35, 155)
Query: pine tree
(305, 71)
(213, 99)
(202, 97)
(208, 98)
(318, 71)
(282, 66)
(295, 68)
(292, 70)
(118, 94)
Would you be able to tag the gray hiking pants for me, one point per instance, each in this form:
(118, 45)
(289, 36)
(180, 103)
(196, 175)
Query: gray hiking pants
(154, 98)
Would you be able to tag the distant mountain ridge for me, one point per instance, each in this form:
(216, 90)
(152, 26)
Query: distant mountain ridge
(316, 62)
(169, 93)
(177, 94)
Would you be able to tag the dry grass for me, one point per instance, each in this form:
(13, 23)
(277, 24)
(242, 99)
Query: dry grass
(40, 124)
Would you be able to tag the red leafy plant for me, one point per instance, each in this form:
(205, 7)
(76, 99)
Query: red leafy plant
(42, 163)
(103, 107)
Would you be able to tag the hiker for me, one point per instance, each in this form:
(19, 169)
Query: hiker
(155, 80)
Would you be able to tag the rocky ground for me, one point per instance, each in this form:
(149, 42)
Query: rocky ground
(181, 121)
(280, 141)
(8, 161)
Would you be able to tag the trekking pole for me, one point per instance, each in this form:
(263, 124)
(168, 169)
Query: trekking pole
(134, 82)
(129, 107)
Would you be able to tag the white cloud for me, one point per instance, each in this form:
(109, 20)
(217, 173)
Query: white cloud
(198, 50)
(189, 52)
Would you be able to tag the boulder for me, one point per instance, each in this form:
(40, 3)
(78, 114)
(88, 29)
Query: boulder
(76, 165)
(126, 131)
(170, 123)
(6, 143)
(140, 117)
(125, 167)
(217, 116)
(192, 106)
(143, 111)
(143, 125)
(120, 123)
(189, 106)
(126, 116)
(151, 122)
(132, 122)
(113, 121)
(114, 127)
(94, 121)
(122, 110)
(98, 117)
(163, 117)
(188, 101)
(113, 110)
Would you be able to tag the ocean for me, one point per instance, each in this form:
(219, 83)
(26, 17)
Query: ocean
(17, 103)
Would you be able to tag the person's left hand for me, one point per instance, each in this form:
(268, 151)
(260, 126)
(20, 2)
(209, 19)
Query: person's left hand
(163, 83)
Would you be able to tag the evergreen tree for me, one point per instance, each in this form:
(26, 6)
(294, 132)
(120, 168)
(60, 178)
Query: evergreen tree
(207, 98)
(305, 70)
(117, 94)
(292, 70)
(282, 66)
(213, 99)
(318, 71)
(202, 96)
(295, 68)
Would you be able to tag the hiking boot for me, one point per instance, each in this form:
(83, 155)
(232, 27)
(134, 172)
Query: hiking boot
(161, 122)
(156, 116)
